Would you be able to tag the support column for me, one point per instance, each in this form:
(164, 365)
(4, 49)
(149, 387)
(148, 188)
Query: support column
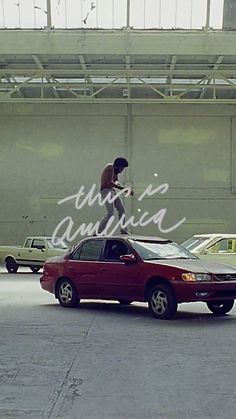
(233, 154)
(128, 155)
(128, 14)
(49, 15)
(208, 14)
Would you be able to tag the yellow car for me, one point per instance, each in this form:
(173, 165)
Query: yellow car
(33, 253)
(215, 247)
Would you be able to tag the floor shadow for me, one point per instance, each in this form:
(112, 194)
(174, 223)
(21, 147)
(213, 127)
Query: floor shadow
(20, 273)
(134, 310)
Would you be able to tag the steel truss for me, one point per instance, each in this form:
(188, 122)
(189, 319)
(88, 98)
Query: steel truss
(125, 77)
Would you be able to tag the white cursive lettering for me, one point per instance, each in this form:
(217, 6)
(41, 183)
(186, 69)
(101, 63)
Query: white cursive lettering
(67, 224)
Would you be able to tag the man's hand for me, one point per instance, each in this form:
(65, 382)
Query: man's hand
(131, 192)
(128, 192)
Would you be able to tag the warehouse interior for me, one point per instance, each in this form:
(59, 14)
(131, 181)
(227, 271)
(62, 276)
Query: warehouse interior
(74, 99)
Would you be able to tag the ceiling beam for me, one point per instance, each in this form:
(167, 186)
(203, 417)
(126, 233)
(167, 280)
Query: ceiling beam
(88, 99)
(175, 86)
(106, 72)
(169, 79)
(215, 68)
(128, 67)
(41, 67)
(87, 78)
(118, 42)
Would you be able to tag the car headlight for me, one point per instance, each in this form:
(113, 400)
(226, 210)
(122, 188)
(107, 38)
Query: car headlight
(196, 277)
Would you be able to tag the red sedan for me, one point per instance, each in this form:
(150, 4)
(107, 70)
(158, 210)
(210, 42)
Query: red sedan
(131, 268)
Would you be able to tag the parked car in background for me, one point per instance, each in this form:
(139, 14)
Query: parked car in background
(215, 247)
(33, 253)
(132, 268)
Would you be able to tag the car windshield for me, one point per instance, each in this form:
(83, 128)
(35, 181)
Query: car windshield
(57, 243)
(152, 250)
(194, 242)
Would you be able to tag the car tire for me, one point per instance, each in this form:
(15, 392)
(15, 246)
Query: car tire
(125, 302)
(11, 265)
(220, 307)
(162, 303)
(66, 293)
(35, 269)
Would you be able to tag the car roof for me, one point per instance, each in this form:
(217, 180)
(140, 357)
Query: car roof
(214, 235)
(40, 237)
(130, 237)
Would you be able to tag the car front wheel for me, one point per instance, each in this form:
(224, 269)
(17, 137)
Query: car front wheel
(220, 307)
(162, 302)
(11, 265)
(66, 293)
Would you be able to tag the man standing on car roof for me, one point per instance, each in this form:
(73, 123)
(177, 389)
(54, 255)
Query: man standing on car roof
(109, 182)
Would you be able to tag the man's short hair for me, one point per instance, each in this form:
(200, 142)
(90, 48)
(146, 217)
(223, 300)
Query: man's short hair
(121, 162)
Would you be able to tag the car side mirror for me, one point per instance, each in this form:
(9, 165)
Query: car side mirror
(128, 259)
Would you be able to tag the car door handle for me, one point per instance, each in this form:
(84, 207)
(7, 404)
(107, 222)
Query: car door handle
(71, 268)
(103, 270)
(30, 251)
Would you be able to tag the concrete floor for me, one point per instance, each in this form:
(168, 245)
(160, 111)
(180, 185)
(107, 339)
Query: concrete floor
(104, 361)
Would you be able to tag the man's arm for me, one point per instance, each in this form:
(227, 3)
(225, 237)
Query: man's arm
(125, 188)
(115, 184)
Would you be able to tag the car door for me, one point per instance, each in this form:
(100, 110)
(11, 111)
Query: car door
(23, 253)
(83, 268)
(32, 253)
(119, 280)
(37, 253)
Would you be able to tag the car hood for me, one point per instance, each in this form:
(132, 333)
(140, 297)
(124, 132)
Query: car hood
(196, 265)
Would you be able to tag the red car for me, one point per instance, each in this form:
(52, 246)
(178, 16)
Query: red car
(130, 268)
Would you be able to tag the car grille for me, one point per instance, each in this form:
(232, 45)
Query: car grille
(226, 277)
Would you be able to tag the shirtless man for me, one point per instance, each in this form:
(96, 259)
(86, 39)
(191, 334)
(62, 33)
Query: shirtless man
(109, 182)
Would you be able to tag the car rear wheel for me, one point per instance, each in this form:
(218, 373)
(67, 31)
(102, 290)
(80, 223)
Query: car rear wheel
(220, 307)
(67, 294)
(162, 302)
(11, 265)
(35, 269)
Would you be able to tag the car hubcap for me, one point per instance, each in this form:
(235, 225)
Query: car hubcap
(159, 302)
(11, 266)
(65, 292)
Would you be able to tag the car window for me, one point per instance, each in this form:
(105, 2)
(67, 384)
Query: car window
(114, 249)
(194, 242)
(223, 246)
(28, 243)
(38, 243)
(90, 250)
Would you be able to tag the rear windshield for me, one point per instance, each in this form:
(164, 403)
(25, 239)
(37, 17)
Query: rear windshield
(57, 243)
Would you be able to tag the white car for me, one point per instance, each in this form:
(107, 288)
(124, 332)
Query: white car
(215, 247)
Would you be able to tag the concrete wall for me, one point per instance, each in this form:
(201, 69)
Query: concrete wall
(49, 151)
